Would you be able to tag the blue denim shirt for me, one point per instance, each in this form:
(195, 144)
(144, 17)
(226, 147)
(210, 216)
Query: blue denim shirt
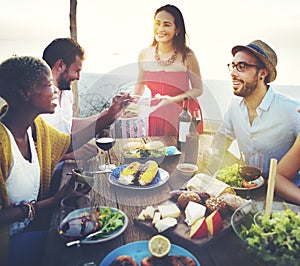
(271, 134)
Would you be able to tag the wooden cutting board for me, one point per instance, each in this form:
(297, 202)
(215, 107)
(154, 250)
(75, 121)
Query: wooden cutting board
(180, 233)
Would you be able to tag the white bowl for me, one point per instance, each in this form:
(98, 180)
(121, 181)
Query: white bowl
(187, 169)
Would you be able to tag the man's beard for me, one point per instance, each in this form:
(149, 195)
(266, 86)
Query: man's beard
(248, 89)
(64, 84)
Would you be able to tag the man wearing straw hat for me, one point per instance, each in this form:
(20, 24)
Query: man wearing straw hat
(264, 123)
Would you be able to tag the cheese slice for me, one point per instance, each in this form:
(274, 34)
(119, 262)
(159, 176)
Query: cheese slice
(149, 212)
(165, 224)
(193, 212)
(169, 210)
(142, 215)
(156, 217)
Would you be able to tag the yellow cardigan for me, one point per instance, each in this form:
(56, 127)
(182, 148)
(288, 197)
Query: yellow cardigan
(51, 145)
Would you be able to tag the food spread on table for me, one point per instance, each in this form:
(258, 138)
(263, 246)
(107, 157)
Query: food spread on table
(192, 214)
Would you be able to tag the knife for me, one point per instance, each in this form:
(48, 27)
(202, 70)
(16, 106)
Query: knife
(77, 242)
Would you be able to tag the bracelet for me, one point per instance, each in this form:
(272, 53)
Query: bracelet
(33, 207)
(30, 214)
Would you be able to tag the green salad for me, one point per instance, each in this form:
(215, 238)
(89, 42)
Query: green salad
(230, 175)
(109, 220)
(277, 238)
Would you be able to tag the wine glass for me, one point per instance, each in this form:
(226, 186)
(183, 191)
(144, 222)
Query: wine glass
(105, 142)
(251, 172)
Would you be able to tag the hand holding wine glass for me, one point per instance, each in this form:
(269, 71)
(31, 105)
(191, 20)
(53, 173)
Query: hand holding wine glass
(105, 142)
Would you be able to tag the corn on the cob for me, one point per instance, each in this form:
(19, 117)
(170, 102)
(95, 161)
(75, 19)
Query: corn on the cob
(127, 175)
(148, 172)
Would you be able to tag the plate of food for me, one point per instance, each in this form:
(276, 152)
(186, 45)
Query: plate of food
(139, 176)
(136, 252)
(107, 222)
(153, 150)
(232, 175)
(131, 111)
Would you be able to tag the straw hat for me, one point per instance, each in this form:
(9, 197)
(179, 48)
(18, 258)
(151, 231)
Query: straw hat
(264, 53)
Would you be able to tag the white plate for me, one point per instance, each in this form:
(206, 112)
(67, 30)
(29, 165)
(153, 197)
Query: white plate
(259, 181)
(117, 232)
(139, 250)
(161, 178)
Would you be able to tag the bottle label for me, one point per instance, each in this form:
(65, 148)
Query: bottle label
(184, 128)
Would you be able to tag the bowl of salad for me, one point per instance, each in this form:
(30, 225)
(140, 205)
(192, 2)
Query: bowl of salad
(271, 239)
(234, 176)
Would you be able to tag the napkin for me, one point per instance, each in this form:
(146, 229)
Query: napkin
(206, 183)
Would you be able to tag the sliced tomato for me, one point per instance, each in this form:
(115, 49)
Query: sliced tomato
(245, 184)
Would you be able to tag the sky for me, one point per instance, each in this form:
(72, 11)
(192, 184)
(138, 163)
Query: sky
(113, 32)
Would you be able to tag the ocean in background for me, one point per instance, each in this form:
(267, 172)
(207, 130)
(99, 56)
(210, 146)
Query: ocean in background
(214, 101)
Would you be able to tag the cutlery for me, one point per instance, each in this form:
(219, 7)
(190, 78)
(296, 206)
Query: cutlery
(95, 172)
(77, 242)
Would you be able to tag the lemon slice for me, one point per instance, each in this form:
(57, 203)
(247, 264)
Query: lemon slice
(159, 246)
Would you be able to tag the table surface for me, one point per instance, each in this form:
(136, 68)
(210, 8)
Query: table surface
(225, 250)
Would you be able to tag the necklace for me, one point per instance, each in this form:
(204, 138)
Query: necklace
(170, 61)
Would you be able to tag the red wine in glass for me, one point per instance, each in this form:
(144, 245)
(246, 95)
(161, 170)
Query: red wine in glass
(105, 143)
(249, 173)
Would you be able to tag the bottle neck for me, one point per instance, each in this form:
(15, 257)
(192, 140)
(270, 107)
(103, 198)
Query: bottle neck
(185, 104)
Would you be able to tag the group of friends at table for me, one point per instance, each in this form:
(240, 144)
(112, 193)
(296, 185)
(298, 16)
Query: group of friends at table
(38, 131)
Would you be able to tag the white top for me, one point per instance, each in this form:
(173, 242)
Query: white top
(272, 133)
(23, 182)
(61, 119)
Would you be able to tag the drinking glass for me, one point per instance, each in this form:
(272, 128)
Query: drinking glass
(76, 223)
(251, 172)
(105, 142)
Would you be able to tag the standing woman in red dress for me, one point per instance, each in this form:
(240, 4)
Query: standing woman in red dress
(170, 69)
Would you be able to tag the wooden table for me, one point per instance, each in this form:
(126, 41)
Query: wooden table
(226, 250)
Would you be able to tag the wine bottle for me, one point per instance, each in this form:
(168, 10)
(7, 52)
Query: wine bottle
(192, 143)
(184, 122)
(196, 113)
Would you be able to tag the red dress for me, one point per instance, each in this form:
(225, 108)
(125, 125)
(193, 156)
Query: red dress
(164, 120)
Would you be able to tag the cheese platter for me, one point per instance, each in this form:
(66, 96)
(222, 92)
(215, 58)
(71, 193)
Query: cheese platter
(198, 232)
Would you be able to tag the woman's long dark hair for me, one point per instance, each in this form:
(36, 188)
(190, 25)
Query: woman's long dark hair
(179, 41)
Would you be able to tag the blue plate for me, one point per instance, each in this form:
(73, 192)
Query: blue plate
(161, 177)
(139, 250)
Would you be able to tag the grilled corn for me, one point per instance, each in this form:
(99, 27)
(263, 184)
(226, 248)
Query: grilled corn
(148, 172)
(128, 174)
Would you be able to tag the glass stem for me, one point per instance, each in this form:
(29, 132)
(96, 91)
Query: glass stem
(248, 192)
(108, 157)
